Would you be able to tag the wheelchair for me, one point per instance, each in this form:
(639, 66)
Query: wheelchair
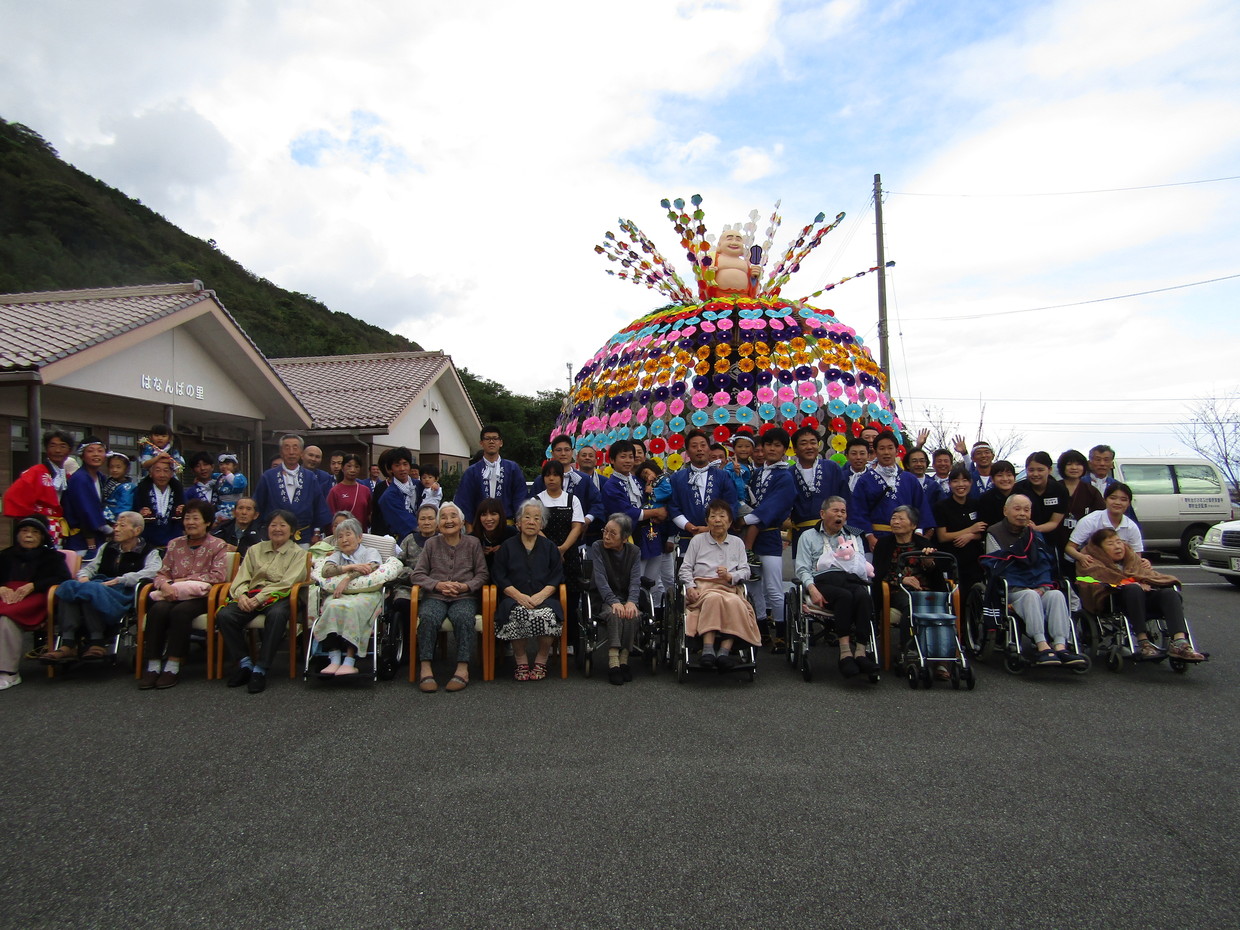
(933, 626)
(684, 646)
(1111, 637)
(808, 626)
(121, 637)
(650, 643)
(990, 625)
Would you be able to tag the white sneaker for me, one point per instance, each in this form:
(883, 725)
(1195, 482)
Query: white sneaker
(9, 681)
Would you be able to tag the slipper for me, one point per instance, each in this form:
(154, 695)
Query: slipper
(345, 671)
(329, 671)
(456, 683)
(428, 685)
(1047, 657)
(942, 673)
(57, 656)
(538, 671)
(522, 673)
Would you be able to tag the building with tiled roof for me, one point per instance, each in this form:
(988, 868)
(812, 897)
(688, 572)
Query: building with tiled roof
(113, 361)
(385, 400)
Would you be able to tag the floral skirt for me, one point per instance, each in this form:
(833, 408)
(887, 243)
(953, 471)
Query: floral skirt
(350, 615)
(523, 623)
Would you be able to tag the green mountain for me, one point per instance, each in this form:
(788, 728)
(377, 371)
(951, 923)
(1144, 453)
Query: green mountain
(61, 229)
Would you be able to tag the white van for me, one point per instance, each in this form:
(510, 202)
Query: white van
(1176, 500)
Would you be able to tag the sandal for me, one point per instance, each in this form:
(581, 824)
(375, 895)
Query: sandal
(942, 673)
(95, 654)
(1047, 657)
(456, 683)
(538, 671)
(56, 656)
(427, 685)
(522, 673)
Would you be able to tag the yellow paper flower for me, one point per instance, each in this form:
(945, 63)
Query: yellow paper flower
(746, 364)
(838, 442)
(800, 358)
(763, 362)
(723, 350)
(722, 366)
(745, 350)
(798, 343)
(683, 357)
(762, 348)
(674, 461)
(703, 351)
(702, 368)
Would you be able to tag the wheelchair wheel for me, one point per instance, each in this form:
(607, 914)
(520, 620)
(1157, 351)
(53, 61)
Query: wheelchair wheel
(792, 617)
(1091, 637)
(385, 668)
(807, 670)
(1178, 665)
(911, 673)
(955, 677)
(1089, 663)
(1116, 661)
(682, 670)
(974, 621)
(927, 679)
(1013, 664)
(969, 680)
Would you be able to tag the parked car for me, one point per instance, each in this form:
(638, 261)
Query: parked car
(1176, 500)
(1220, 551)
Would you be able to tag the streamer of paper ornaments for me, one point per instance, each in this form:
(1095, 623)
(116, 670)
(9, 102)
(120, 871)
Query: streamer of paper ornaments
(725, 364)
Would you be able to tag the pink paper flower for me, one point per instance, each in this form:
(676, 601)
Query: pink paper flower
(765, 395)
(676, 407)
(642, 413)
(834, 389)
(721, 398)
(660, 409)
(699, 400)
(807, 389)
(786, 393)
(743, 398)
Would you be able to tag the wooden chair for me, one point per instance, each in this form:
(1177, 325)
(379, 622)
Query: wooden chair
(486, 604)
(203, 622)
(73, 561)
(295, 597)
(488, 634)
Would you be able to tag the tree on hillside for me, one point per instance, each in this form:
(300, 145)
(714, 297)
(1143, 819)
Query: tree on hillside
(524, 421)
(1213, 432)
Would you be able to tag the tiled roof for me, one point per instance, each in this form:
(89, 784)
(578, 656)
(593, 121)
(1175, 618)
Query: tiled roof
(359, 391)
(40, 328)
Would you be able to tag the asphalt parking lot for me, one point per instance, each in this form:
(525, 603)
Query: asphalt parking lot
(1043, 800)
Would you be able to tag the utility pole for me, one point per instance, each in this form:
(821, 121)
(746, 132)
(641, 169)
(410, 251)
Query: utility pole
(883, 362)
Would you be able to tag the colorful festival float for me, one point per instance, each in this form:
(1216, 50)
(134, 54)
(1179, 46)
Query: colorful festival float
(728, 354)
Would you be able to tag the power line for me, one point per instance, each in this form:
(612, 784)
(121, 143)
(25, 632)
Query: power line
(1078, 303)
(1102, 190)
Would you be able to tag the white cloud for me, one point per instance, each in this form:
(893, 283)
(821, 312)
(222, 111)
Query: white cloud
(458, 163)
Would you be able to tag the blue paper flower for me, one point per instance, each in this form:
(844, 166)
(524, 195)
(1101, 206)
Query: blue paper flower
(699, 418)
(767, 412)
(744, 414)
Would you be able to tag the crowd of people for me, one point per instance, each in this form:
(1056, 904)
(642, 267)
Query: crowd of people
(727, 514)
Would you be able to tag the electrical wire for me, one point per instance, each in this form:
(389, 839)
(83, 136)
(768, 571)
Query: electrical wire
(1077, 303)
(1101, 190)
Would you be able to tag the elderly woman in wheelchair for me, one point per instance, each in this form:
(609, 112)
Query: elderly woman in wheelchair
(716, 608)
(832, 568)
(1112, 576)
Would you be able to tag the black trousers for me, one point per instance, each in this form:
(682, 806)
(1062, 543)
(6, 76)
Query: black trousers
(168, 625)
(850, 602)
(231, 621)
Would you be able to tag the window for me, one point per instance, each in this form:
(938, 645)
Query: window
(1197, 479)
(1149, 479)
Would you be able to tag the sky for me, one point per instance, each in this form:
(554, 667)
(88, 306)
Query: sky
(444, 171)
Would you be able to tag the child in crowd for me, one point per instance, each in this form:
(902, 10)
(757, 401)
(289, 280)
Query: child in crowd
(202, 469)
(117, 489)
(433, 493)
(160, 446)
(230, 487)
